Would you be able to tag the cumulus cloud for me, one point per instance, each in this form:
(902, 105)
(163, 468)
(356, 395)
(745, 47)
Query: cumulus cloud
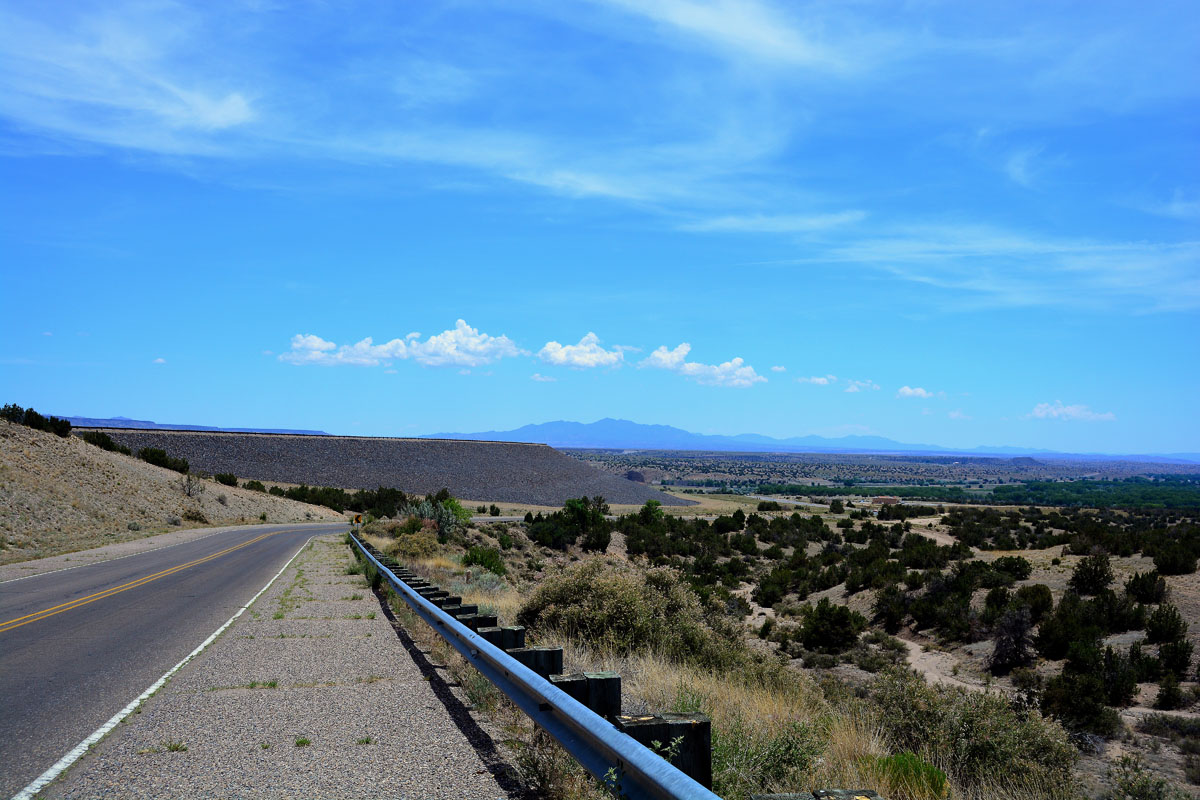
(1057, 410)
(735, 373)
(778, 369)
(914, 391)
(588, 353)
(819, 380)
(860, 386)
(461, 346)
(159, 361)
(540, 378)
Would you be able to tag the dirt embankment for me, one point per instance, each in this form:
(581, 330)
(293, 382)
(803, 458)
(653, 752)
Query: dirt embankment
(484, 471)
(62, 495)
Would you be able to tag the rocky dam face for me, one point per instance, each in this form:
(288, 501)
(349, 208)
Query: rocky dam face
(494, 471)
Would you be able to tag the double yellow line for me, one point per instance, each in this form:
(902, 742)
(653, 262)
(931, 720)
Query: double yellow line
(50, 612)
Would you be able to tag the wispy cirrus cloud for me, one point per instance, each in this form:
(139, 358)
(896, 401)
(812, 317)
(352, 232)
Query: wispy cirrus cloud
(1005, 268)
(1078, 412)
(819, 380)
(734, 373)
(588, 353)
(853, 386)
(460, 346)
(759, 223)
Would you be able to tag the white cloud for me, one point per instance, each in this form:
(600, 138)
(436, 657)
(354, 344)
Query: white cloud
(1020, 166)
(777, 224)
(914, 391)
(540, 378)
(461, 346)
(588, 353)
(859, 386)
(778, 369)
(958, 414)
(159, 361)
(1178, 207)
(735, 373)
(1006, 268)
(1057, 410)
(744, 28)
(819, 380)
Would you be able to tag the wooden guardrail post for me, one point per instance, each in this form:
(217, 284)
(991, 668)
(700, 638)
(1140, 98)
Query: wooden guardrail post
(684, 740)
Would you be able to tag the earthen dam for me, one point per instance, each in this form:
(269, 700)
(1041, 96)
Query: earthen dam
(536, 474)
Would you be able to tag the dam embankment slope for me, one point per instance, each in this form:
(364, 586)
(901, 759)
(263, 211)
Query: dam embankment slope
(475, 470)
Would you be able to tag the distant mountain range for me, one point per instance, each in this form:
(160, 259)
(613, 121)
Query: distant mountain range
(620, 434)
(145, 424)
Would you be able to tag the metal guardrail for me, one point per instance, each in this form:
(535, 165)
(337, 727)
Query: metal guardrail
(593, 741)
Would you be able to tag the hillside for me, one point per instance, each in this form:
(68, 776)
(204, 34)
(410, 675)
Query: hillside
(62, 495)
(491, 471)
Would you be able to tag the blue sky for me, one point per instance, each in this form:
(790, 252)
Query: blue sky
(952, 223)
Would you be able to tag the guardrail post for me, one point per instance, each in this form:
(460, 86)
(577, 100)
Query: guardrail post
(545, 661)
(693, 756)
(445, 602)
(512, 636)
(599, 691)
(492, 634)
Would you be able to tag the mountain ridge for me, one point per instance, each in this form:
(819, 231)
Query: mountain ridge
(610, 434)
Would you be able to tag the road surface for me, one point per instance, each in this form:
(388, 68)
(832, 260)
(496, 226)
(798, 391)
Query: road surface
(77, 646)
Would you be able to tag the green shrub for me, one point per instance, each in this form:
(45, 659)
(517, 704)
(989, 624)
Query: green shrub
(1092, 575)
(1019, 568)
(254, 486)
(195, 515)
(830, 628)
(977, 738)
(410, 546)
(276, 491)
(1131, 782)
(32, 419)
(1147, 587)
(506, 541)
(226, 478)
(486, 557)
(1169, 696)
(494, 510)
(919, 778)
(159, 458)
(1165, 625)
(619, 606)
(105, 442)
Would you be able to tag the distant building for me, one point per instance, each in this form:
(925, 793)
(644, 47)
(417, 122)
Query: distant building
(885, 500)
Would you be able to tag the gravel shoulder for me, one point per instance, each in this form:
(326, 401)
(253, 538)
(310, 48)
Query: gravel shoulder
(310, 694)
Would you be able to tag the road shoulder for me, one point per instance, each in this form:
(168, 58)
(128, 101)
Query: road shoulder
(309, 694)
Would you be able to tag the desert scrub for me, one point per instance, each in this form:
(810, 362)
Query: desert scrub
(486, 557)
(977, 738)
(617, 607)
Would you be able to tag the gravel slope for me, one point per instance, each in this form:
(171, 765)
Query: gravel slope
(338, 680)
(61, 495)
(482, 471)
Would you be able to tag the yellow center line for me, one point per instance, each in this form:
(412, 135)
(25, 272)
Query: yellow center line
(49, 612)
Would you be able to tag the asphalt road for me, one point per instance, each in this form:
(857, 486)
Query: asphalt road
(77, 646)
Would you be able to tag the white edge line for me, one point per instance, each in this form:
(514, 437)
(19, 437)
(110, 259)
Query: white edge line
(70, 758)
(223, 529)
